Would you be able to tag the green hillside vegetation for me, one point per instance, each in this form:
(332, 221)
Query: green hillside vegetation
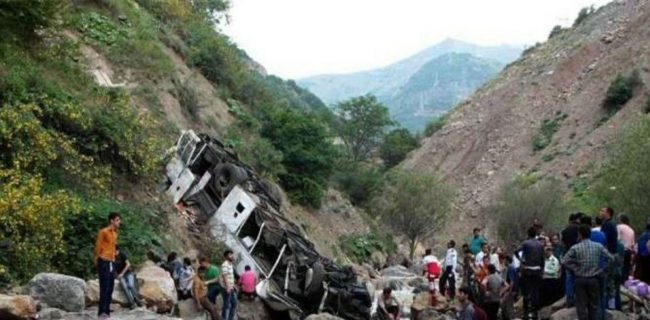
(70, 146)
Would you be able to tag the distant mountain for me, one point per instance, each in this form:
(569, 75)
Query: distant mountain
(438, 85)
(388, 82)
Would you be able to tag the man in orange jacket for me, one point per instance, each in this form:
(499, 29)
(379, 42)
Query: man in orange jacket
(104, 259)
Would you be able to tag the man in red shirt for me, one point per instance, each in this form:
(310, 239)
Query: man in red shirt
(104, 259)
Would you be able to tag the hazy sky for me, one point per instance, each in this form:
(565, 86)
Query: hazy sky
(297, 38)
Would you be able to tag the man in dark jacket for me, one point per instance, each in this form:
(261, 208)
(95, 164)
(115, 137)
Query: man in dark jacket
(532, 267)
(569, 239)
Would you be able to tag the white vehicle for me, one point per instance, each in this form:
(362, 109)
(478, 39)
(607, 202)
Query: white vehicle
(245, 213)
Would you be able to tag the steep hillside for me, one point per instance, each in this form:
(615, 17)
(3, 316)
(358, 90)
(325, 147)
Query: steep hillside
(387, 82)
(93, 93)
(437, 86)
(554, 92)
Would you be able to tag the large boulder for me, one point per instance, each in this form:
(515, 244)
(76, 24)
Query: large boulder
(92, 293)
(136, 314)
(431, 314)
(397, 272)
(323, 316)
(252, 310)
(157, 288)
(59, 291)
(19, 307)
(565, 314)
(51, 314)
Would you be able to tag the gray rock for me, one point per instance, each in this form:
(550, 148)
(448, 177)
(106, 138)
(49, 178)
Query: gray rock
(189, 310)
(323, 316)
(397, 272)
(51, 314)
(252, 310)
(136, 314)
(58, 291)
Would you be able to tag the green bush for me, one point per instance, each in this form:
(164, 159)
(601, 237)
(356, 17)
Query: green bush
(583, 15)
(359, 247)
(396, 145)
(138, 234)
(556, 31)
(359, 181)
(521, 201)
(436, 124)
(623, 182)
(23, 18)
(621, 90)
(546, 131)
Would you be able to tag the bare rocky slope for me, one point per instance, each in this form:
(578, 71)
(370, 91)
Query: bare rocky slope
(488, 139)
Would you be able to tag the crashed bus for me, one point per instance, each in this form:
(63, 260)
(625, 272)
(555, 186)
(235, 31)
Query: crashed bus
(245, 212)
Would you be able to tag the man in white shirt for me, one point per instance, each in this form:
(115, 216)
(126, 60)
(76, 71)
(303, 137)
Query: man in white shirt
(228, 310)
(485, 249)
(448, 279)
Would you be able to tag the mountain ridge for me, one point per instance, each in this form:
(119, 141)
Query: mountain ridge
(386, 82)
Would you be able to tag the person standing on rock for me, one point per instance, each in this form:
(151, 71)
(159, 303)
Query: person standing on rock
(477, 242)
(448, 278)
(185, 278)
(228, 282)
(626, 234)
(495, 289)
(585, 260)
(569, 239)
(431, 269)
(211, 279)
(104, 259)
(126, 277)
(200, 293)
(531, 269)
(642, 270)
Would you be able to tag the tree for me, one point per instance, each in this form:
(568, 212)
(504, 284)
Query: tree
(624, 180)
(308, 152)
(522, 200)
(396, 145)
(413, 204)
(361, 124)
(24, 18)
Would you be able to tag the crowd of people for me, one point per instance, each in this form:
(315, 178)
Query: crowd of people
(586, 263)
(204, 285)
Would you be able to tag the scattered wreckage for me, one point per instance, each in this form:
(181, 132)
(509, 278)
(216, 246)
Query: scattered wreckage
(245, 212)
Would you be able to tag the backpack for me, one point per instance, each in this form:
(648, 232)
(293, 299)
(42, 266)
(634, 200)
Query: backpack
(479, 314)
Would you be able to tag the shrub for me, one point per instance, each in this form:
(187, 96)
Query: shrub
(621, 90)
(413, 204)
(546, 131)
(24, 18)
(359, 247)
(31, 222)
(436, 124)
(522, 200)
(138, 234)
(358, 180)
(582, 15)
(396, 145)
(555, 31)
(624, 180)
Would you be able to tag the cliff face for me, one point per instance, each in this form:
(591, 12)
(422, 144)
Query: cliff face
(492, 136)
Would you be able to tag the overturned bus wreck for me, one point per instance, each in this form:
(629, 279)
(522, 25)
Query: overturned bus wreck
(244, 212)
